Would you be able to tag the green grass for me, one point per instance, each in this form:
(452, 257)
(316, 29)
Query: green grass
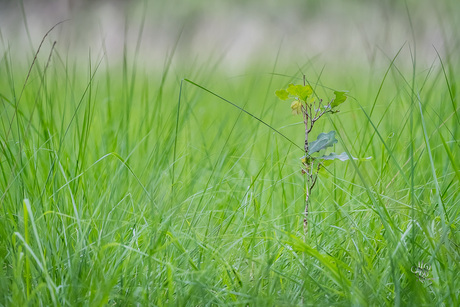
(110, 196)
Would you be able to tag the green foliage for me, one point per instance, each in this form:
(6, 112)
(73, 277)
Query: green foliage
(297, 92)
(342, 157)
(282, 94)
(312, 111)
(323, 141)
(300, 94)
(340, 98)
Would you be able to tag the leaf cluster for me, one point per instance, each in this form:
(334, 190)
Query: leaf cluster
(312, 110)
(323, 141)
(301, 94)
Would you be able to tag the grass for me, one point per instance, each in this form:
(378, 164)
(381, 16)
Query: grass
(111, 194)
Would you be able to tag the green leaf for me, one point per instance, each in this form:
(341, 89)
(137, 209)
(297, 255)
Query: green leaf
(323, 141)
(282, 94)
(300, 91)
(342, 157)
(340, 98)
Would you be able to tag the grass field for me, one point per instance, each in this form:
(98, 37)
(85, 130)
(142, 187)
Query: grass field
(125, 186)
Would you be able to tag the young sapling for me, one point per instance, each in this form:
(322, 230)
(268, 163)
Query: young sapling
(312, 108)
(305, 102)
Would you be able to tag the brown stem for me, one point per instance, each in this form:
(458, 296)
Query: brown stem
(305, 219)
(309, 121)
(305, 121)
(306, 141)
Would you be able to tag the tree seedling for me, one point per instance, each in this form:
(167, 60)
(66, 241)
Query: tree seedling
(311, 107)
(303, 101)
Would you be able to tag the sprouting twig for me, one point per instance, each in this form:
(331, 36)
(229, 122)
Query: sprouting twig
(311, 111)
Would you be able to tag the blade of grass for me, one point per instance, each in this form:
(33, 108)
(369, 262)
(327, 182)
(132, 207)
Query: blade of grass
(243, 110)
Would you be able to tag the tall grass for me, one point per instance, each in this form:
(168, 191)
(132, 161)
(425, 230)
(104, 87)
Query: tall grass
(110, 196)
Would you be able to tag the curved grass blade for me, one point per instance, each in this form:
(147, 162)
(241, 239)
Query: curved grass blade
(243, 110)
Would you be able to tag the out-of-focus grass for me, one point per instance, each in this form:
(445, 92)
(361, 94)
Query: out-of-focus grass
(96, 208)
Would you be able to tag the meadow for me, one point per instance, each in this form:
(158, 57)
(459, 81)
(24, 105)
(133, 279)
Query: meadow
(125, 185)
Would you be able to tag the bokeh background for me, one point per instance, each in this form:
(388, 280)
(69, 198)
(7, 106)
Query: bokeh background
(234, 34)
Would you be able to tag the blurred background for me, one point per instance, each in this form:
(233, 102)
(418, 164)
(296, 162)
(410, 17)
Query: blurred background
(234, 34)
